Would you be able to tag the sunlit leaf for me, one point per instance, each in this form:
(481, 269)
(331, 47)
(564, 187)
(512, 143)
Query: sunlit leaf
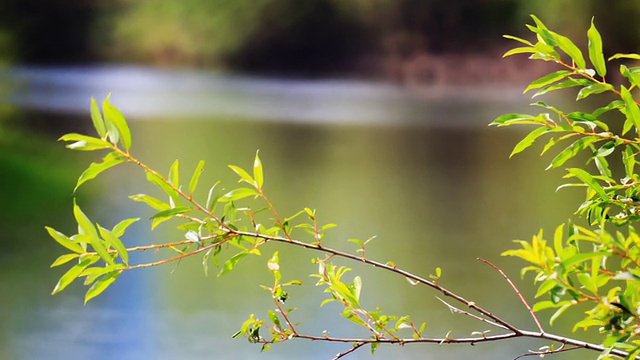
(237, 194)
(116, 243)
(96, 118)
(632, 111)
(84, 142)
(120, 227)
(84, 224)
(257, 172)
(511, 37)
(625, 56)
(232, 262)
(520, 50)
(110, 160)
(63, 259)
(572, 150)
(633, 76)
(101, 284)
(162, 184)
(529, 139)
(595, 88)
(244, 175)
(174, 174)
(171, 212)
(195, 177)
(71, 274)
(547, 79)
(65, 241)
(114, 116)
(595, 50)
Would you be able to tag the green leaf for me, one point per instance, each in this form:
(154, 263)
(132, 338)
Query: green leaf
(237, 194)
(63, 259)
(85, 226)
(572, 50)
(116, 243)
(520, 40)
(509, 119)
(101, 284)
(110, 160)
(151, 201)
(616, 104)
(595, 50)
(570, 82)
(633, 76)
(171, 212)
(520, 50)
(174, 174)
(65, 241)
(115, 117)
(595, 88)
(547, 79)
(162, 184)
(632, 111)
(257, 172)
(96, 118)
(588, 179)
(212, 199)
(625, 56)
(529, 139)
(232, 262)
(71, 274)
(84, 142)
(244, 176)
(99, 246)
(120, 227)
(572, 150)
(195, 177)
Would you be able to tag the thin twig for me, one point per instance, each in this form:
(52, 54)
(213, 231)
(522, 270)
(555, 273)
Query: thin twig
(517, 291)
(347, 352)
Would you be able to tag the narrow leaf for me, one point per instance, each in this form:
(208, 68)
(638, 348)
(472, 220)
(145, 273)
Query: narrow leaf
(231, 263)
(116, 243)
(595, 50)
(65, 241)
(595, 88)
(625, 56)
(151, 201)
(171, 212)
(547, 79)
(63, 259)
(120, 227)
(96, 118)
(632, 111)
(101, 285)
(590, 181)
(174, 174)
(162, 184)
(110, 160)
(71, 274)
(84, 224)
(529, 139)
(244, 175)
(237, 194)
(572, 150)
(115, 117)
(84, 142)
(257, 172)
(195, 177)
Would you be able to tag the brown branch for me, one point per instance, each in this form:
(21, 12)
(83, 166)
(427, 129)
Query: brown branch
(517, 291)
(347, 352)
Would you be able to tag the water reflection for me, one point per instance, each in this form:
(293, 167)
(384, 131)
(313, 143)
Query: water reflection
(434, 193)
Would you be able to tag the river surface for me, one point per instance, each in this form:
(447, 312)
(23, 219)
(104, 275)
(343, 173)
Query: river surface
(418, 168)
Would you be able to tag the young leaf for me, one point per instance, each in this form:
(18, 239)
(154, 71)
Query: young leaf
(114, 116)
(595, 88)
(509, 119)
(174, 174)
(84, 224)
(151, 201)
(232, 262)
(99, 246)
(244, 175)
(120, 227)
(520, 40)
(195, 177)
(632, 111)
(171, 212)
(100, 285)
(237, 194)
(625, 56)
(71, 274)
(63, 259)
(529, 139)
(590, 181)
(212, 199)
(110, 160)
(595, 50)
(257, 172)
(161, 183)
(96, 118)
(547, 79)
(633, 76)
(520, 50)
(84, 142)
(572, 150)
(116, 243)
(65, 241)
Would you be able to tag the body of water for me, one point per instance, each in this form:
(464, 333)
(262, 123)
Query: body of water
(418, 168)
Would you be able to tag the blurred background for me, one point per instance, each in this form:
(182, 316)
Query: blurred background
(374, 112)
